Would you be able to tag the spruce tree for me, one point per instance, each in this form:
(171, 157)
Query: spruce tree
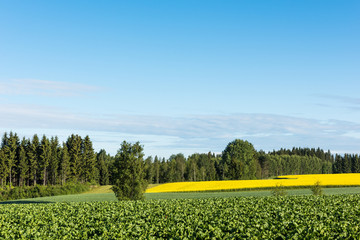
(103, 166)
(129, 172)
(33, 154)
(64, 164)
(156, 170)
(23, 163)
(149, 170)
(3, 167)
(54, 161)
(89, 168)
(10, 146)
(74, 145)
(45, 154)
(3, 159)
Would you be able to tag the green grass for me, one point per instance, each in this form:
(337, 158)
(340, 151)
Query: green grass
(100, 189)
(109, 196)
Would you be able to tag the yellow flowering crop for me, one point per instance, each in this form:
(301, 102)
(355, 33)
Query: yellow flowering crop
(346, 179)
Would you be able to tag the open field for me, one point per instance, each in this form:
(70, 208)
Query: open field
(208, 189)
(99, 197)
(290, 217)
(347, 179)
(248, 214)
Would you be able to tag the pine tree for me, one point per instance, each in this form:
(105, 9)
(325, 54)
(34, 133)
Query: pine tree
(103, 166)
(149, 170)
(54, 161)
(3, 167)
(192, 168)
(64, 164)
(156, 170)
(33, 157)
(129, 172)
(89, 168)
(74, 145)
(164, 173)
(45, 155)
(23, 163)
(10, 147)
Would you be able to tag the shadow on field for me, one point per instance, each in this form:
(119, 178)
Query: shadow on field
(24, 202)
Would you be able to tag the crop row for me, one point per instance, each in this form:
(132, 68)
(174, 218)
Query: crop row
(290, 217)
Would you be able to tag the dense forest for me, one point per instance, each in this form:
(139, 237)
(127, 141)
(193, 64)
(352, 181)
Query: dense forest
(46, 161)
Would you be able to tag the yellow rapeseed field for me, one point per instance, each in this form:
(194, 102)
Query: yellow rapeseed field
(346, 179)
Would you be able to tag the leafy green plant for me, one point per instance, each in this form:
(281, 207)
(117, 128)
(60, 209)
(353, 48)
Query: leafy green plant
(293, 217)
(317, 189)
(279, 190)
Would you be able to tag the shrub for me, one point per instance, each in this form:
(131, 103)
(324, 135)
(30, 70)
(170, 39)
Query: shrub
(279, 190)
(42, 191)
(317, 189)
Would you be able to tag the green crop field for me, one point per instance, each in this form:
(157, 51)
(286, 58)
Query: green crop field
(104, 193)
(290, 217)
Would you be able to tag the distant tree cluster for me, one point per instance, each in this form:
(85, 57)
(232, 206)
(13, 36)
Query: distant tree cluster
(28, 162)
(349, 163)
(46, 161)
(239, 160)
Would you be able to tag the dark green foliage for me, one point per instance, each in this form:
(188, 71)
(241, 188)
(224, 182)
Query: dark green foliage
(349, 163)
(65, 170)
(54, 162)
(149, 170)
(89, 166)
(156, 169)
(42, 191)
(103, 163)
(312, 152)
(275, 165)
(201, 167)
(33, 150)
(45, 162)
(192, 168)
(23, 167)
(74, 144)
(45, 155)
(129, 175)
(240, 158)
(9, 145)
(3, 167)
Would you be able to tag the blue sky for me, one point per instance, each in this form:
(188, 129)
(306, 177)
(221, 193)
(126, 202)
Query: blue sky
(183, 76)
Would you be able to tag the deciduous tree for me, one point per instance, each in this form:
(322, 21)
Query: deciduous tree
(130, 183)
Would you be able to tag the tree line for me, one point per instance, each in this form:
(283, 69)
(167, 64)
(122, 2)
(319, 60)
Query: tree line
(239, 160)
(28, 162)
(46, 161)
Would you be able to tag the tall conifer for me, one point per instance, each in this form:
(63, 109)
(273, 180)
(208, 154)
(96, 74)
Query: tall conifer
(45, 155)
(23, 165)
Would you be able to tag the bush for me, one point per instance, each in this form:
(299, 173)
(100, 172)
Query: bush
(317, 189)
(42, 191)
(279, 190)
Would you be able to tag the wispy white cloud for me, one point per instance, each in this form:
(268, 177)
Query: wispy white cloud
(44, 88)
(352, 103)
(163, 135)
